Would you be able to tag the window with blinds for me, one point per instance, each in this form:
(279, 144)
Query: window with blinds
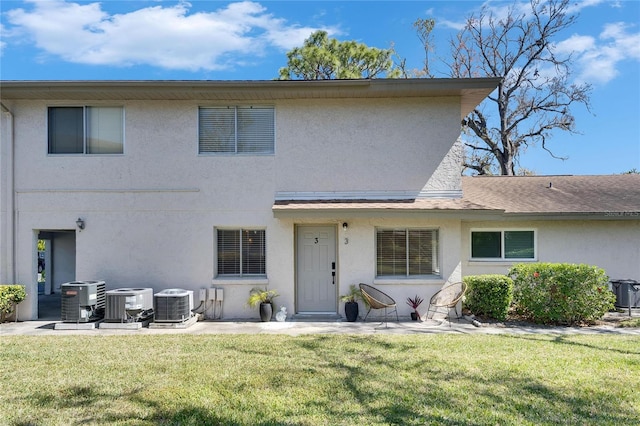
(85, 130)
(236, 130)
(241, 252)
(503, 244)
(407, 252)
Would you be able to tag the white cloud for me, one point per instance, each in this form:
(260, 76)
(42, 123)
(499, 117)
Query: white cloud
(598, 59)
(576, 43)
(169, 37)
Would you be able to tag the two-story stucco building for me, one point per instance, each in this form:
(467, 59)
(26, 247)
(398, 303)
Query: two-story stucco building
(305, 187)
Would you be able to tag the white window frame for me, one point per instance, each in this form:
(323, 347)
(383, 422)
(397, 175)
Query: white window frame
(237, 151)
(217, 274)
(85, 130)
(502, 257)
(436, 263)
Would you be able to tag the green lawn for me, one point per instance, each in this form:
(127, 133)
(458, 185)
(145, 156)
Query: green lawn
(320, 380)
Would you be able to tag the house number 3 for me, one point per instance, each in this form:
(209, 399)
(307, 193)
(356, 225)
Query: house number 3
(316, 240)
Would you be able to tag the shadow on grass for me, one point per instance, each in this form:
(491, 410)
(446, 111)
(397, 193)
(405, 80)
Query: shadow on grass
(438, 392)
(378, 385)
(569, 340)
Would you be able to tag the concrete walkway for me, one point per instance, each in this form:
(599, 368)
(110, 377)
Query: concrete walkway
(50, 317)
(297, 328)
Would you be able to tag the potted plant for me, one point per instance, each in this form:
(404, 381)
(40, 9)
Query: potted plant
(414, 302)
(350, 300)
(264, 299)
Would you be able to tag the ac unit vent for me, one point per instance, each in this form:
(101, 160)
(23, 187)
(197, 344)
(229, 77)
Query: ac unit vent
(83, 301)
(129, 305)
(173, 305)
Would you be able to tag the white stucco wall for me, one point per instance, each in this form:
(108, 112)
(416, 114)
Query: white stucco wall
(611, 245)
(150, 213)
(357, 257)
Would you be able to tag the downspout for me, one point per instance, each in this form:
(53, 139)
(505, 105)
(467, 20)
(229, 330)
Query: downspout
(11, 211)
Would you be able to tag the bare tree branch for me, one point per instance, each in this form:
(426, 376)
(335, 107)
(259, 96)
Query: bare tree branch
(535, 96)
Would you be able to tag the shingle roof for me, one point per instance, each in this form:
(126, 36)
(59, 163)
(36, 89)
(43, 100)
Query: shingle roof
(615, 196)
(556, 194)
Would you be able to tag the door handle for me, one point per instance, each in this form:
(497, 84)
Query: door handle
(333, 273)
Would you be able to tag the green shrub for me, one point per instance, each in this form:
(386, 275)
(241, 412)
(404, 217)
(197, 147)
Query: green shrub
(561, 293)
(489, 295)
(10, 295)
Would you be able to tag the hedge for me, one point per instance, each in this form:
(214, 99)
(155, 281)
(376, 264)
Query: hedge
(489, 295)
(561, 293)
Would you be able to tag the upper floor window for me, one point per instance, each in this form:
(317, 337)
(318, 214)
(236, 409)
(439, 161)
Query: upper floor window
(503, 244)
(236, 130)
(86, 130)
(241, 252)
(407, 252)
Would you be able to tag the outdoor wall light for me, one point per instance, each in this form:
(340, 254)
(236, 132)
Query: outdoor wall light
(345, 225)
(80, 223)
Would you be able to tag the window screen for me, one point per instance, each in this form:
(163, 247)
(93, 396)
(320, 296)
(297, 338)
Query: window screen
(407, 252)
(86, 130)
(486, 244)
(237, 130)
(104, 130)
(241, 252)
(503, 244)
(66, 130)
(518, 245)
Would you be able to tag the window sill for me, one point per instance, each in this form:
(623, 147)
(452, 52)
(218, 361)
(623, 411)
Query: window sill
(409, 281)
(241, 281)
(499, 261)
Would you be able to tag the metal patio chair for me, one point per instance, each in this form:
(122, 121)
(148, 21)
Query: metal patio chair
(376, 299)
(447, 297)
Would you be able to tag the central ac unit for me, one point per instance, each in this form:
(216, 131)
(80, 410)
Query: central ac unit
(83, 301)
(129, 305)
(173, 305)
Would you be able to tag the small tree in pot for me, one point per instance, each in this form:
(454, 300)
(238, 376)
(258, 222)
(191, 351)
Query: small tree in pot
(350, 300)
(414, 302)
(264, 299)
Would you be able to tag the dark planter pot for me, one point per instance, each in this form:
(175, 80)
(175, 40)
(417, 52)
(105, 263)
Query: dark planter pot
(266, 311)
(414, 316)
(351, 311)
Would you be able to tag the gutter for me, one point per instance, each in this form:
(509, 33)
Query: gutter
(10, 274)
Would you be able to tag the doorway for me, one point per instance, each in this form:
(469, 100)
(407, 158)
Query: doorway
(58, 262)
(316, 278)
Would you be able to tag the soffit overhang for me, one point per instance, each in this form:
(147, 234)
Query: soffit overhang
(471, 91)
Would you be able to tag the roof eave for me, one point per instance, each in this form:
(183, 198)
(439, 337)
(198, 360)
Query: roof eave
(471, 91)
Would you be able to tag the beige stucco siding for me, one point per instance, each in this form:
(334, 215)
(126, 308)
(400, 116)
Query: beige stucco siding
(151, 212)
(356, 145)
(611, 245)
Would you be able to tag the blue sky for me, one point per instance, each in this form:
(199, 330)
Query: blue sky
(221, 40)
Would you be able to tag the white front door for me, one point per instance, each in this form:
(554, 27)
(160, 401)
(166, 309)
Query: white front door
(316, 270)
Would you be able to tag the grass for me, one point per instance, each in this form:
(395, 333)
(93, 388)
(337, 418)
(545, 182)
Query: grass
(320, 380)
(634, 322)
